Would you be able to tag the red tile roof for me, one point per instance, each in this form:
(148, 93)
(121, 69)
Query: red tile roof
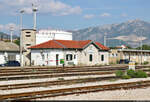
(101, 46)
(67, 44)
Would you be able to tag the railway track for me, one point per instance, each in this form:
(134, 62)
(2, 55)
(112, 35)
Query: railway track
(52, 75)
(2, 70)
(76, 90)
(36, 75)
(49, 71)
(57, 82)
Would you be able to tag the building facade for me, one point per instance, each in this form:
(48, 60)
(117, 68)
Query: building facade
(8, 52)
(79, 53)
(28, 39)
(138, 56)
(32, 37)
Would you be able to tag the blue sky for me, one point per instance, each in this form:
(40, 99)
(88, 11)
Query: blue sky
(71, 14)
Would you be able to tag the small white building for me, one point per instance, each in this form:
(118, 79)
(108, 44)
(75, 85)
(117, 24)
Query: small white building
(46, 35)
(79, 53)
(9, 51)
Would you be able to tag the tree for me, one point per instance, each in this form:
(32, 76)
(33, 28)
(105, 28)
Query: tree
(144, 47)
(17, 42)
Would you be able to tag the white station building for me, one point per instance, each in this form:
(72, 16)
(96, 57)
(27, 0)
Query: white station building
(80, 53)
(46, 35)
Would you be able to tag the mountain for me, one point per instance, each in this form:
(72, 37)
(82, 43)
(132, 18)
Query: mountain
(6, 36)
(129, 33)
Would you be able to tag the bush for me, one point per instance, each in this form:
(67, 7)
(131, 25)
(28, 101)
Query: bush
(136, 63)
(141, 74)
(125, 77)
(119, 73)
(146, 62)
(131, 73)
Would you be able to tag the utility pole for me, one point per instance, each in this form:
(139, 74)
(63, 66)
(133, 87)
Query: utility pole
(141, 47)
(11, 33)
(34, 9)
(21, 27)
(105, 39)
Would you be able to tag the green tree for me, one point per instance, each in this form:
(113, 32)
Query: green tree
(144, 47)
(17, 42)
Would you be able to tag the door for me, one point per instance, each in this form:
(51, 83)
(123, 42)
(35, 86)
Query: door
(57, 59)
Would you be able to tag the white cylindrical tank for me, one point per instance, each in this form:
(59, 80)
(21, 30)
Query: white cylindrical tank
(45, 35)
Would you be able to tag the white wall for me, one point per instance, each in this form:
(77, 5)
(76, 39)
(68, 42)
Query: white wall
(2, 60)
(3, 54)
(106, 57)
(82, 57)
(49, 58)
(46, 35)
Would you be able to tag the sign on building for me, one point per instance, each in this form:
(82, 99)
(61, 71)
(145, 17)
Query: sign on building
(132, 65)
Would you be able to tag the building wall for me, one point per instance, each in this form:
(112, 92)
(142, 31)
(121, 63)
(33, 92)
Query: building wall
(46, 35)
(84, 56)
(114, 56)
(79, 57)
(28, 39)
(4, 56)
(2, 60)
(132, 55)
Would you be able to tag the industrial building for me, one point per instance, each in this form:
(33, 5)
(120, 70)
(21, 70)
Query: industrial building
(46, 35)
(73, 52)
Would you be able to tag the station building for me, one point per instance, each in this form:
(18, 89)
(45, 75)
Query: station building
(32, 37)
(80, 53)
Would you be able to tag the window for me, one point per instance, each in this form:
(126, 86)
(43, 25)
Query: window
(28, 32)
(68, 57)
(102, 57)
(28, 44)
(74, 56)
(28, 35)
(90, 57)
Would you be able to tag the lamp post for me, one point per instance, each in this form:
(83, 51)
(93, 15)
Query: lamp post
(21, 60)
(11, 33)
(141, 46)
(105, 39)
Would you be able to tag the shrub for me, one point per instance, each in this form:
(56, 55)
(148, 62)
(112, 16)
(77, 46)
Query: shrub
(119, 73)
(146, 62)
(125, 77)
(136, 63)
(131, 73)
(61, 79)
(141, 74)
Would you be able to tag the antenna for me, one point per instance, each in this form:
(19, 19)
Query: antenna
(34, 9)
(105, 39)
(11, 33)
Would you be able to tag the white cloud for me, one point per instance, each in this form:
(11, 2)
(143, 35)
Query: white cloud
(124, 15)
(88, 16)
(105, 15)
(14, 26)
(54, 7)
(6, 27)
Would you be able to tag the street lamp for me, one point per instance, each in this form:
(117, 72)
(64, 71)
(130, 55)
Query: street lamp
(21, 60)
(11, 33)
(141, 45)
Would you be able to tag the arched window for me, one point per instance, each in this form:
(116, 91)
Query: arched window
(90, 57)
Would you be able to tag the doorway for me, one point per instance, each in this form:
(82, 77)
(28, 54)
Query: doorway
(57, 59)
